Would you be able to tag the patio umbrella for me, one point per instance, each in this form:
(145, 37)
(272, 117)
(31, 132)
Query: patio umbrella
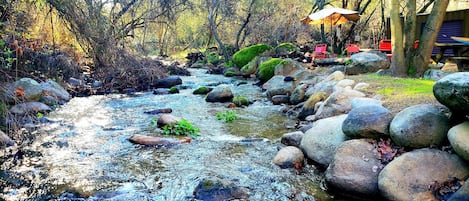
(332, 16)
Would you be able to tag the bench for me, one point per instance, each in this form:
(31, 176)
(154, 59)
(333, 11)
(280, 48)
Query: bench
(461, 61)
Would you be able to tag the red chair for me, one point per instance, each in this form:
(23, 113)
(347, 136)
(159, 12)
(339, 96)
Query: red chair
(385, 45)
(320, 52)
(351, 49)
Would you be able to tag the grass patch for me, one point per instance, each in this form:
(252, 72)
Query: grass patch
(398, 93)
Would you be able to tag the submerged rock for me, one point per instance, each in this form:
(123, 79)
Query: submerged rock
(153, 140)
(215, 189)
(168, 82)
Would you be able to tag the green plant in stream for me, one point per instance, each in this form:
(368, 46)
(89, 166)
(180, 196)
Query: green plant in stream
(228, 116)
(182, 127)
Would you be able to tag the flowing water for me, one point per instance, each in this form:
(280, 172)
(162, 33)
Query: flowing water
(86, 154)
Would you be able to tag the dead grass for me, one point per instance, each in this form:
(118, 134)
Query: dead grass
(398, 93)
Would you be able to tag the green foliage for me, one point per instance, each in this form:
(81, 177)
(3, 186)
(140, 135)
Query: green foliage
(201, 90)
(228, 117)
(411, 71)
(229, 74)
(212, 57)
(173, 90)
(240, 101)
(348, 62)
(182, 127)
(244, 56)
(266, 69)
(6, 56)
(39, 115)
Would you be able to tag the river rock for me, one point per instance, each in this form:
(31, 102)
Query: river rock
(280, 99)
(289, 157)
(159, 111)
(345, 82)
(370, 121)
(309, 106)
(277, 86)
(325, 87)
(168, 82)
(458, 136)
(30, 90)
(289, 68)
(152, 140)
(358, 102)
(335, 76)
(161, 91)
(166, 119)
(452, 91)
(5, 140)
(30, 108)
(354, 169)
(55, 90)
(321, 141)
(462, 194)
(292, 139)
(434, 74)
(361, 86)
(366, 62)
(221, 93)
(408, 176)
(420, 126)
(202, 90)
(216, 189)
(339, 102)
(298, 95)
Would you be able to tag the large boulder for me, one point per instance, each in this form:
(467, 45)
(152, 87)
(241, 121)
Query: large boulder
(216, 189)
(326, 85)
(458, 136)
(452, 91)
(253, 65)
(221, 93)
(54, 89)
(321, 141)
(366, 62)
(245, 55)
(409, 176)
(358, 102)
(266, 69)
(289, 157)
(289, 68)
(168, 82)
(369, 121)
(420, 126)
(339, 102)
(30, 108)
(278, 86)
(434, 74)
(25, 89)
(354, 169)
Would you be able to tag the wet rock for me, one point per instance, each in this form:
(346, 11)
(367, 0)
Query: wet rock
(221, 93)
(365, 62)
(292, 139)
(280, 99)
(166, 119)
(408, 176)
(168, 82)
(452, 91)
(298, 94)
(31, 108)
(321, 141)
(241, 101)
(55, 90)
(24, 89)
(5, 140)
(161, 91)
(216, 189)
(202, 90)
(152, 140)
(339, 102)
(420, 126)
(289, 157)
(462, 194)
(357, 102)
(159, 111)
(370, 121)
(277, 86)
(459, 139)
(354, 169)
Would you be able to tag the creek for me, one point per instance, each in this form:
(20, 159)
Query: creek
(86, 155)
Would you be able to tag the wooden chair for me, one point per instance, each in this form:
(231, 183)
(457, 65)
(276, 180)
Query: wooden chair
(351, 49)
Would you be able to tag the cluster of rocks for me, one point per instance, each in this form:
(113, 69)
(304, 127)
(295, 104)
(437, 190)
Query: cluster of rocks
(346, 145)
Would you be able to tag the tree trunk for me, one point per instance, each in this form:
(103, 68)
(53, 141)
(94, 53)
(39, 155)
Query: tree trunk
(410, 26)
(213, 27)
(429, 35)
(398, 65)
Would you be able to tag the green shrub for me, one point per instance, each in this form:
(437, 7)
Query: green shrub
(201, 90)
(240, 101)
(244, 56)
(212, 57)
(173, 90)
(228, 116)
(182, 127)
(267, 69)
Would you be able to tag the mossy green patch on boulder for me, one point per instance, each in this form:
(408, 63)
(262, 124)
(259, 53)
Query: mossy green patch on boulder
(244, 56)
(202, 90)
(229, 74)
(173, 90)
(266, 69)
(286, 48)
(240, 101)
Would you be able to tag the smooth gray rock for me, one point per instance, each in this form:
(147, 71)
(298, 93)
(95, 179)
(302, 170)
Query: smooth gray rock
(280, 99)
(420, 126)
(458, 136)
(221, 93)
(357, 102)
(292, 139)
(30, 108)
(168, 82)
(166, 119)
(277, 86)
(453, 92)
(354, 169)
(54, 89)
(369, 121)
(366, 62)
(339, 102)
(298, 95)
(32, 90)
(408, 176)
(216, 189)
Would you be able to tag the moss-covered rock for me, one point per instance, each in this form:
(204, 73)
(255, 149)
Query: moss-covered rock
(202, 90)
(173, 90)
(244, 56)
(286, 48)
(266, 69)
(229, 74)
(240, 101)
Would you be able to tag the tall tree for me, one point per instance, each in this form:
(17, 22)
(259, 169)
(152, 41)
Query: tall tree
(398, 60)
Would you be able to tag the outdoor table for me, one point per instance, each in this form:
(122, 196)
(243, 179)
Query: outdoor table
(459, 49)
